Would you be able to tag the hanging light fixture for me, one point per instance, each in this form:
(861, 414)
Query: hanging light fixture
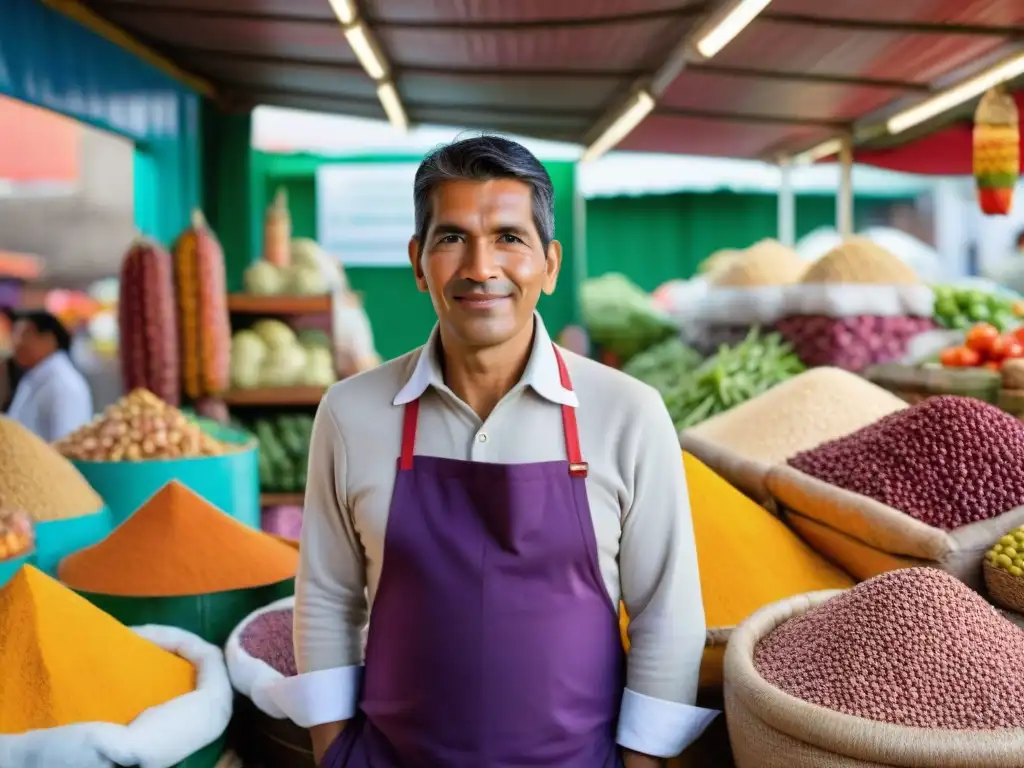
(996, 151)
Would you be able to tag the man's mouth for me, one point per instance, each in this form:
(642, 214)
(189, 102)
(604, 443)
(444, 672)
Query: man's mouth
(479, 300)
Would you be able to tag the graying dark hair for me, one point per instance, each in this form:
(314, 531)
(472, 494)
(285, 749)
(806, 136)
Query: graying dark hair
(483, 158)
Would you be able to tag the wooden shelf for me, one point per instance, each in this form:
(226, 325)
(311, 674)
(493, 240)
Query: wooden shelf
(274, 396)
(281, 499)
(248, 304)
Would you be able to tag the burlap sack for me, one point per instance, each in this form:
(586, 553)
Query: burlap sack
(874, 534)
(771, 729)
(749, 475)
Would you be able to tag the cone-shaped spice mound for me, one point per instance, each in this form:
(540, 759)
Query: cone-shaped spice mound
(37, 479)
(947, 461)
(66, 661)
(912, 647)
(177, 544)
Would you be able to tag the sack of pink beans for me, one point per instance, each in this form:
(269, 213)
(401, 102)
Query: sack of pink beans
(852, 343)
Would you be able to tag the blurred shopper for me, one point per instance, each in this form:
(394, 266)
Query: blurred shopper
(52, 398)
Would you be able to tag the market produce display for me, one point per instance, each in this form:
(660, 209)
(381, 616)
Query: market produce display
(912, 647)
(664, 365)
(725, 522)
(68, 662)
(766, 262)
(179, 544)
(732, 376)
(853, 343)
(309, 272)
(960, 308)
(284, 450)
(996, 151)
(140, 427)
(147, 322)
(948, 461)
(985, 347)
(17, 536)
(204, 328)
(38, 480)
(621, 318)
(806, 411)
(268, 637)
(271, 354)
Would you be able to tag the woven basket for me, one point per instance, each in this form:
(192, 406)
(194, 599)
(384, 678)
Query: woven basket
(771, 729)
(1005, 589)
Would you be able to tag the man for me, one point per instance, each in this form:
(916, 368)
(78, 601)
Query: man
(487, 500)
(52, 398)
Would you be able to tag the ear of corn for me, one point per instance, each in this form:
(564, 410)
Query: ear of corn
(205, 329)
(149, 338)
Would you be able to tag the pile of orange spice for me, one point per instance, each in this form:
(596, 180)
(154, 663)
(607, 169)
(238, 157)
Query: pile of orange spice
(178, 544)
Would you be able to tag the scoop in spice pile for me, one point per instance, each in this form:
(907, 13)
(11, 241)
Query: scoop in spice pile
(947, 461)
(65, 661)
(268, 638)
(37, 479)
(140, 427)
(16, 534)
(178, 544)
(913, 647)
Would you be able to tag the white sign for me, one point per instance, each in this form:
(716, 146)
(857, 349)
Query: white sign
(365, 213)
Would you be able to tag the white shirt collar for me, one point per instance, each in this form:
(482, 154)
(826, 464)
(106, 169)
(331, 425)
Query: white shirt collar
(541, 372)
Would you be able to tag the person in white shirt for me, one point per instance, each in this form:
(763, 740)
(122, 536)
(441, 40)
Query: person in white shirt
(52, 397)
(480, 506)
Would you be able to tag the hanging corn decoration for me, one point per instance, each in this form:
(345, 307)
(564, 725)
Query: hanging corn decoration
(996, 151)
(204, 324)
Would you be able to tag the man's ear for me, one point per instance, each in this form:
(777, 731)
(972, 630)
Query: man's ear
(552, 266)
(417, 266)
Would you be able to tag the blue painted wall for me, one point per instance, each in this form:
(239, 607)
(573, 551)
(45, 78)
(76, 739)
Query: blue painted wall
(53, 62)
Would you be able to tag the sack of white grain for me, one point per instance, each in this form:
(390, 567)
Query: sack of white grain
(934, 483)
(857, 306)
(796, 415)
(849, 680)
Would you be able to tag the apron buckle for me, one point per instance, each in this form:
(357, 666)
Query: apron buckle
(579, 469)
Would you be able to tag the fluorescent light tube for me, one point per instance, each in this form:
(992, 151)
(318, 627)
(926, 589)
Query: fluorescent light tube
(365, 51)
(819, 152)
(345, 10)
(388, 95)
(729, 26)
(953, 97)
(639, 108)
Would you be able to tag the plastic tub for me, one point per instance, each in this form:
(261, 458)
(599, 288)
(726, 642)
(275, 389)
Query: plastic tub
(914, 384)
(57, 539)
(230, 482)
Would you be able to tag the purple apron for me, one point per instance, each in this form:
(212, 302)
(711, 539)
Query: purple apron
(493, 642)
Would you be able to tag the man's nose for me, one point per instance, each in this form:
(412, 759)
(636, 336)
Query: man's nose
(479, 263)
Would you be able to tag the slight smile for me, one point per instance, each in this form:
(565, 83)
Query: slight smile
(480, 301)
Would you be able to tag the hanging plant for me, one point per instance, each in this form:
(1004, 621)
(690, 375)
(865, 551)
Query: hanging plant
(996, 151)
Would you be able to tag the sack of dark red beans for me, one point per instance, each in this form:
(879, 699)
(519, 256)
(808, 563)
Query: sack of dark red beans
(933, 484)
(260, 656)
(857, 306)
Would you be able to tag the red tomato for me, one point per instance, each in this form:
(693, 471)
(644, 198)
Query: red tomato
(992, 365)
(959, 357)
(1002, 348)
(981, 337)
(1013, 349)
(1019, 333)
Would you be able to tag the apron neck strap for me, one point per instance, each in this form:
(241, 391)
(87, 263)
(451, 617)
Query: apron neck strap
(577, 466)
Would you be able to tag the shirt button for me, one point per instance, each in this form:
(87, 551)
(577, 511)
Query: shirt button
(482, 437)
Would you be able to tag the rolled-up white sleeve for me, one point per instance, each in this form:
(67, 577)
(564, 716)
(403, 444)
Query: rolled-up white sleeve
(661, 591)
(330, 591)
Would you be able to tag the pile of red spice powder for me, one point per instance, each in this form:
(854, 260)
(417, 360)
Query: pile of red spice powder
(268, 638)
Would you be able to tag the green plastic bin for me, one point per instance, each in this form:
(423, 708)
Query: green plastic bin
(211, 617)
(207, 757)
(10, 567)
(230, 482)
(57, 539)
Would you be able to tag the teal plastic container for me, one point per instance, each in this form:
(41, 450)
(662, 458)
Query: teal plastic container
(10, 567)
(57, 539)
(230, 482)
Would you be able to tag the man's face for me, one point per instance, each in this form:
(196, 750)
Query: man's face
(29, 345)
(482, 260)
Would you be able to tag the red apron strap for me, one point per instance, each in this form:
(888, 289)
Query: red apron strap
(409, 421)
(577, 466)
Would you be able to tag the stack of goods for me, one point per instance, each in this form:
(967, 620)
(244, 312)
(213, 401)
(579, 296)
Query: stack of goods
(959, 308)
(141, 442)
(857, 306)
(1004, 571)
(17, 540)
(621, 318)
(751, 291)
(260, 656)
(909, 668)
(182, 561)
(308, 271)
(664, 366)
(730, 377)
(935, 483)
(204, 327)
(817, 406)
(996, 150)
(271, 354)
(284, 448)
(70, 664)
(68, 514)
(147, 322)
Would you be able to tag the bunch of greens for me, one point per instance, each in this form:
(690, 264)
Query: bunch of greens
(620, 317)
(664, 365)
(284, 450)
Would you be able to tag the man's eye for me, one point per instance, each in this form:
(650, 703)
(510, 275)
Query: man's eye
(448, 239)
(510, 239)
